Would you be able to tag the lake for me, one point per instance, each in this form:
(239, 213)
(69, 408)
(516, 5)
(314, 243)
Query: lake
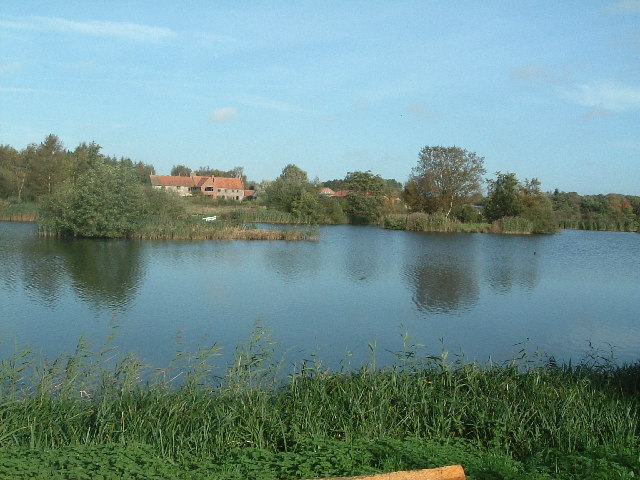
(479, 295)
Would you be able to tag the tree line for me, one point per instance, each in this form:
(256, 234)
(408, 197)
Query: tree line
(38, 169)
(446, 181)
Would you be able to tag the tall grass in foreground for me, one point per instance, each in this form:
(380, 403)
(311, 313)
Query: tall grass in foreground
(194, 408)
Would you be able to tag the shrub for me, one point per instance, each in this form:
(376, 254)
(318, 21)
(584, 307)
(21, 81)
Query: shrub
(104, 201)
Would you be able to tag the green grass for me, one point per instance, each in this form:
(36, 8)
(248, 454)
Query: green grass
(314, 459)
(252, 419)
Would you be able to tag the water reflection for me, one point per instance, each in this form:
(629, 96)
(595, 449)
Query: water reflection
(443, 273)
(291, 261)
(42, 269)
(361, 256)
(513, 262)
(103, 273)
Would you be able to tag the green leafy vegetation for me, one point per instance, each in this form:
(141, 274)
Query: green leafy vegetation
(444, 179)
(596, 212)
(365, 200)
(95, 413)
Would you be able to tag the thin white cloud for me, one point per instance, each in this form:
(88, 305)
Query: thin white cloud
(611, 96)
(537, 73)
(625, 6)
(119, 30)
(268, 104)
(225, 114)
(17, 90)
(10, 67)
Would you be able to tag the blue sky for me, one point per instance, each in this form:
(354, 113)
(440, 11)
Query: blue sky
(546, 89)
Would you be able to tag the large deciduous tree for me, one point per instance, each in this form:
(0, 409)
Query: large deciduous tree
(366, 197)
(447, 177)
(502, 197)
(180, 171)
(293, 192)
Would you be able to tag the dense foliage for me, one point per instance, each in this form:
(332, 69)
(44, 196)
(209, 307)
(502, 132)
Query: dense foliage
(365, 200)
(509, 198)
(40, 169)
(103, 201)
(444, 179)
(292, 192)
(596, 212)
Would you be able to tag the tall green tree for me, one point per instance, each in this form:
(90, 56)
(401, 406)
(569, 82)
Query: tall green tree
(293, 192)
(180, 171)
(502, 197)
(104, 201)
(49, 167)
(365, 200)
(536, 206)
(447, 177)
(10, 172)
(508, 197)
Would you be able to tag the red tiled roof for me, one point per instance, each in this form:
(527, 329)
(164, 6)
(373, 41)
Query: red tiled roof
(203, 181)
(171, 181)
(249, 192)
(228, 183)
(342, 193)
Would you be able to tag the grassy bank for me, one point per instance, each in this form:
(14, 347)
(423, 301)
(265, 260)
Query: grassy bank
(251, 419)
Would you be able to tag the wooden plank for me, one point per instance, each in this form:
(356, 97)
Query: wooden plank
(453, 472)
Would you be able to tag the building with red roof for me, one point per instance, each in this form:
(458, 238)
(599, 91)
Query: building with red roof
(217, 187)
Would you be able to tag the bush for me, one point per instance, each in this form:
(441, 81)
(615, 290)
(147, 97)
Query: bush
(105, 201)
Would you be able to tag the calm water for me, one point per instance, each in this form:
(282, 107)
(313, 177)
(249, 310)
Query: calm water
(474, 293)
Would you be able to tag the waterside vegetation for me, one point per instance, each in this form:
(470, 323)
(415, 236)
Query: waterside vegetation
(529, 418)
(63, 188)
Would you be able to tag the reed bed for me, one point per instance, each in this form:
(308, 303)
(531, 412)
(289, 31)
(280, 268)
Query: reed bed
(18, 212)
(197, 229)
(424, 222)
(244, 213)
(516, 225)
(195, 407)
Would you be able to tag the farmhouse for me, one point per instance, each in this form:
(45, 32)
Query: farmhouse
(216, 187)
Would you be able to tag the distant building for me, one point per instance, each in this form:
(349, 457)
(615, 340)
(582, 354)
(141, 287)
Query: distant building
(216, 187)
(327, 192)
(342, 193)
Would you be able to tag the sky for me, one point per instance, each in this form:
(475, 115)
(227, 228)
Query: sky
(547, 89)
